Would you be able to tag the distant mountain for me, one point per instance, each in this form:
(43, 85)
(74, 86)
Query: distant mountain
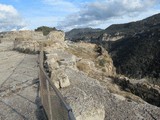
(133, 27)
(83, 34)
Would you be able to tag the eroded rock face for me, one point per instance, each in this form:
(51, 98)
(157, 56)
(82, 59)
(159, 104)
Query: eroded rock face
(108, 37)
(148, 92)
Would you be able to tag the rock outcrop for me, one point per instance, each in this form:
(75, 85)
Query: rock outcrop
(107, 37)
(141, 88)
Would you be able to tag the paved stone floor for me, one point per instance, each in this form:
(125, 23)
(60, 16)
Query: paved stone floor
(19, 98)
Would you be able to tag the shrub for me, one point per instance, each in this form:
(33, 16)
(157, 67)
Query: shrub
(46, 30)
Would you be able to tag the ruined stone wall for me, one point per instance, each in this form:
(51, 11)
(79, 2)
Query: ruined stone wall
(28, 41)
(11, 36)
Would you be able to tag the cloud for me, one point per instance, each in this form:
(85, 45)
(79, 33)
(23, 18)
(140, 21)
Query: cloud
(10, 18)
(61, 5)
(99, 12)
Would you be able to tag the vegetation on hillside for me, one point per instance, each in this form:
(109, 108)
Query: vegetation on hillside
(138, 56)
(133, 27)
(83, 34)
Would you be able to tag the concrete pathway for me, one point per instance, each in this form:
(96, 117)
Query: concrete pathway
(19, 98)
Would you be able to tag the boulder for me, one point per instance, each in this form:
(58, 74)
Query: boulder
(60, 79)
(52, 64)
(63, 80)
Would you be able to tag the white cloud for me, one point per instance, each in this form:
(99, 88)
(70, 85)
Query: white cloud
(10, 18)
(99, 12)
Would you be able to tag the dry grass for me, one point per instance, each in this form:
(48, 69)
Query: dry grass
(103, 61)
(82, 51)
(83, 67)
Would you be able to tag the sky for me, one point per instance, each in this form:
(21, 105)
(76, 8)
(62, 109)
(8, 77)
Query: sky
(68, 14)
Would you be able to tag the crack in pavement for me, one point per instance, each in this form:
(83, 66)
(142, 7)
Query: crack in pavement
(13, 71)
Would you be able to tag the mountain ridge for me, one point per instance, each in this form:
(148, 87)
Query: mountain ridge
(83, 34)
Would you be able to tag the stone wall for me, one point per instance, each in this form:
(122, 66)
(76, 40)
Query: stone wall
(28, 41)
(10, 36)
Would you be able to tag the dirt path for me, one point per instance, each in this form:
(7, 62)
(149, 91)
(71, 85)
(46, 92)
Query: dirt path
(19, 98)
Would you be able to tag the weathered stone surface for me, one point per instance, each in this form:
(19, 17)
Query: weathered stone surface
(19, 98)
(91, 95)
(93, 114)
(63, 80)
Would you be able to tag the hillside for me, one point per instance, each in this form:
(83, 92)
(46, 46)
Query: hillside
(83, 34)
(133, 27)
(139, 55)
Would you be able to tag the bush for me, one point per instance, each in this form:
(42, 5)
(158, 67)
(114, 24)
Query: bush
(46, 30)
